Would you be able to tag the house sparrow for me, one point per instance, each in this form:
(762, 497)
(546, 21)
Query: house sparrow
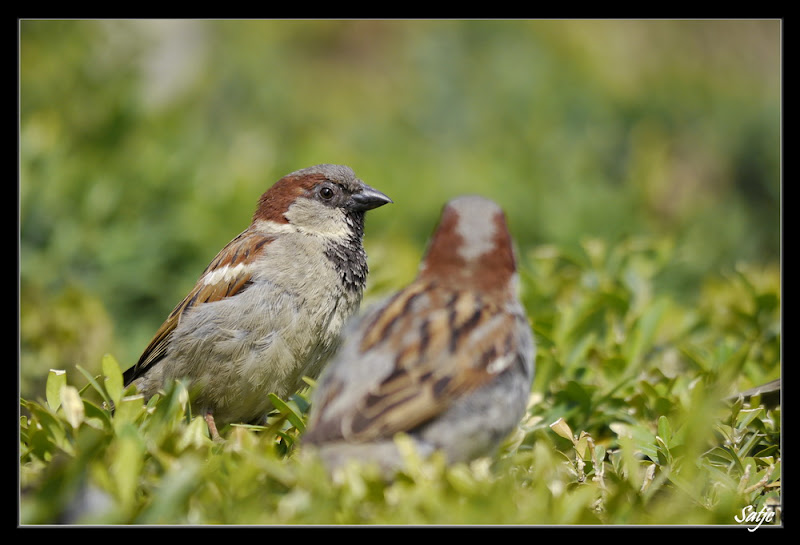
(448, 360)
(270, 306)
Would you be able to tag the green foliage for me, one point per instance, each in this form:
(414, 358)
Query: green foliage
(639, 166)
(646, 382)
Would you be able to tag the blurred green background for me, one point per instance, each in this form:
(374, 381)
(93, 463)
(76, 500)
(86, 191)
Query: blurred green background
(144, 145)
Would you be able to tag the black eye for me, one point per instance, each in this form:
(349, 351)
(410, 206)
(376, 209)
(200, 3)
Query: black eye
(326, 193)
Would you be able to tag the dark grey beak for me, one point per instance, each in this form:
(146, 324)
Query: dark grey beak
(368, 198)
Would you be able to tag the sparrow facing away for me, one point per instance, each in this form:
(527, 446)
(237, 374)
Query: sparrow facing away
(270, 306)
(449, 360)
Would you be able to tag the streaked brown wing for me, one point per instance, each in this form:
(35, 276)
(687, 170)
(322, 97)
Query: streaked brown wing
(461, 343)
(240, 252)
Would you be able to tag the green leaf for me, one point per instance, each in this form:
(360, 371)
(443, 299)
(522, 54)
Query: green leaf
(766, 452)
(47, 431)
(56, 379)
(736, 407)
(72, 404)
(662, 451)
(644, 331)
(128, 410)
(582, 446)
(289, 412)
(97, 416)
(664, 430)
(96, 385)
(127, 464)
(113, 380)
(196, 435)
(302, 403)
(746, 417)
(640, 437)
(561, 427)
(735, 458)
(719, 455)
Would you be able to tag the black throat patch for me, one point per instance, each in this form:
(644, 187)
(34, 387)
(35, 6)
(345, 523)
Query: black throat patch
(348, 255)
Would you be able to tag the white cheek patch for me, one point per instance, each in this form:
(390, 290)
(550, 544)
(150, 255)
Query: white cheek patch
(225, 274)
(313, 218)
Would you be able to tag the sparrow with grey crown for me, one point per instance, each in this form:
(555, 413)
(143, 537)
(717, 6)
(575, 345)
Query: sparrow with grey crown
(269, 308)
(448, 360)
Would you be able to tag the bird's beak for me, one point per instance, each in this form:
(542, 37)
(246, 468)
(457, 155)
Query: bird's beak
(368, 198)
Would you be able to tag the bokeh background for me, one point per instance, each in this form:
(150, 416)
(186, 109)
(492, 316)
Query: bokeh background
(144, 145)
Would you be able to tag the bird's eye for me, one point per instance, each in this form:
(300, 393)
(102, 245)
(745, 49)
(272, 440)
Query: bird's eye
(326, 193)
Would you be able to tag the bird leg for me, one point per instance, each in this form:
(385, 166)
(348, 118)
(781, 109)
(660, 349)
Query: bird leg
(212, 426)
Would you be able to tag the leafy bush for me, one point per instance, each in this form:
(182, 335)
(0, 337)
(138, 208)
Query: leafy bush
(144, 145)
(630, 422)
